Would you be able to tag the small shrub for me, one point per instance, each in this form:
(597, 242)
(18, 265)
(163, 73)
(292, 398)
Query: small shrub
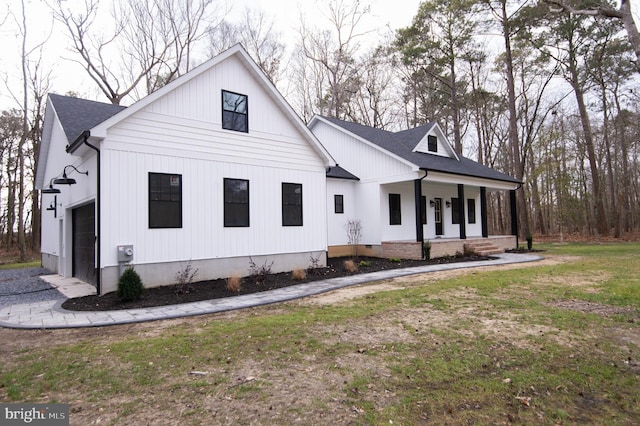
(426, 250)
(529, 241)
(259, 273)
(130, 286)
(234, 283)
(298, 274)
(184, 279)
(350, 266)
(364, 264)
(315, 264)
(395, 260)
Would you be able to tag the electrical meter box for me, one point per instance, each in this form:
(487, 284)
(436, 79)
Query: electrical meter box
(125, 253)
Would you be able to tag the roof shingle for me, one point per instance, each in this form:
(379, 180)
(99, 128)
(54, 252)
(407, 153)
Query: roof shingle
(402, 144)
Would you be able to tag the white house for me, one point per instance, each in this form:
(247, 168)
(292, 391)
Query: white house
(406, 188)
(215, 169)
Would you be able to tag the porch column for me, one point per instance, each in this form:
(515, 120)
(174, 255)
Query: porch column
(514, 214)
(417, 189)
(483, 212)
(461, 215)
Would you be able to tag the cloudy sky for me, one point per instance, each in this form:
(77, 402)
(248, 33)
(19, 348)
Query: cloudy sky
(69, 76)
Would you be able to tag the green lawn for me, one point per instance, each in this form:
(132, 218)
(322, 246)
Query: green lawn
(546, 343)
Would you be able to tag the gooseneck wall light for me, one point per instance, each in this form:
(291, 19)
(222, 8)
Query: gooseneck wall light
(64, 180)
(50, 189)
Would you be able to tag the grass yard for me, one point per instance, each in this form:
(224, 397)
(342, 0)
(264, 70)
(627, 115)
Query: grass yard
(551, 342)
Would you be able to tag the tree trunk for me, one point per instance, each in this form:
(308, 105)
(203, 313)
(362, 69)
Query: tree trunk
(513, 122)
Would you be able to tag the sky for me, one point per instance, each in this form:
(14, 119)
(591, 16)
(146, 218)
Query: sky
(70, 76)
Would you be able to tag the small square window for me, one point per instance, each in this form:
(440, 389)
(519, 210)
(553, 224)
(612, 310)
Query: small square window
(165, 200)
(236, 203)
(291, 204)
(235, 112)
(432, 143)
(338, 202)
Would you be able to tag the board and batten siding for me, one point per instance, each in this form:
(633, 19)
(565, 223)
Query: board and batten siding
(203, 235)
(181, 133)
(361, 159)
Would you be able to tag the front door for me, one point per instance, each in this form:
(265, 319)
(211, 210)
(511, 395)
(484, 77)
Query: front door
(438, 216)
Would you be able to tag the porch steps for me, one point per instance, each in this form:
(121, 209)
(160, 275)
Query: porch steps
(483, 248)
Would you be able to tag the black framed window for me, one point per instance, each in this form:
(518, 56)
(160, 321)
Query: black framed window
(455, 211)
(235, 111)
(291, 204)
(432, 143)
(423, 210)
(338, 203)
(236, 202)
(471, 210)
(395, 215)
(165, 200)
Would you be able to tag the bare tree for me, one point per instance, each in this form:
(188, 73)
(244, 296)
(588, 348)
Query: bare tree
(33, 84)
(256, 34)
(327, 58)
(152, 39)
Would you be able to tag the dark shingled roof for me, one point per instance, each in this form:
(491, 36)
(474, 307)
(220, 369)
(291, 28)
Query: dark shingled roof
(402, 144)
(340, 173)
(78, 115)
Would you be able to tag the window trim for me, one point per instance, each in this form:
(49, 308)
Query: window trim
(226, 202)
(455, 211)
(431, 139)
(471, 208)
(286, 206)
(234, 113)
(153, 204)
(395, 217)
(338, 206)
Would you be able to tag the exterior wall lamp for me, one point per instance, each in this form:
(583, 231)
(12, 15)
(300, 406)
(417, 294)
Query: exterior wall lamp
(50, 189)
(448, 203)
(64, 180)
(53, 206)
(432, 203)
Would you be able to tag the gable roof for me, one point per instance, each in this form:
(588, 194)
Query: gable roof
(79, 115)
(100, 129)
(402, 144)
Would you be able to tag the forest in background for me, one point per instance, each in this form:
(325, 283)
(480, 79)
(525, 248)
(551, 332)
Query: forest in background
(545, 91)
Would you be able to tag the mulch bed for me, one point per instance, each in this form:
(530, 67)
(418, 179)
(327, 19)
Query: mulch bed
(216, 289)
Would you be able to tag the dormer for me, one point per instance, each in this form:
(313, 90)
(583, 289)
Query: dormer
(435, 142)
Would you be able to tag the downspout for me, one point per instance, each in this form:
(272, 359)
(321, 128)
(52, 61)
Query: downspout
(86, 135)
(417, 189)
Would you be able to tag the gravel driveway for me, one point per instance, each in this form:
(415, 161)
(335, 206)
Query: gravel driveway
(19, 286)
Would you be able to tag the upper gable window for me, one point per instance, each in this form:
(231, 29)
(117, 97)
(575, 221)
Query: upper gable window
(432, 143)
(235, 112)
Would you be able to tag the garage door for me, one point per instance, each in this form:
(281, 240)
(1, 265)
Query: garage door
(84, 248)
